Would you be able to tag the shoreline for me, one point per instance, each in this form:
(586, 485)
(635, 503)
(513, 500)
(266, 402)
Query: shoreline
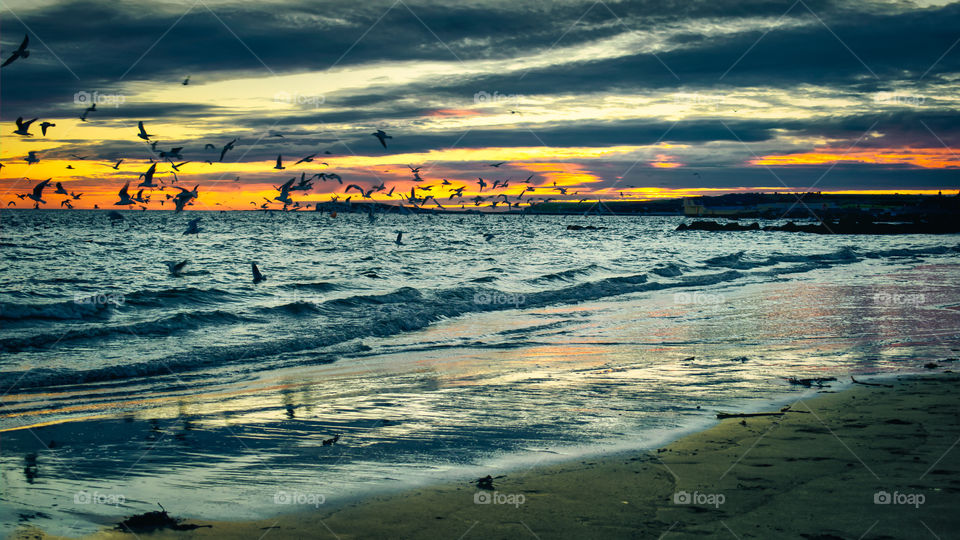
(813, 472)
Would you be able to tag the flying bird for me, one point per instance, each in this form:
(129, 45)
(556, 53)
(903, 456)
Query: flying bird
(382, 136)
(186, 81)
(23, 128)
(60, 190)
(32, 158)
(184, 197)
(143, 133)
(497, 164)
(148, 177)
(37, 194)
(193, 226)
(45, 125)
(279, 165)
(21, 51)
(399, 240)
(227, 147)
(306, 159)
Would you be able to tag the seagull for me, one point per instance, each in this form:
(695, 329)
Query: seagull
(192, 226)
(148, 177)
(274, 133)
(76, 196)
(88, 110)
(176, 268)
(279, 165)
(139, 197)
(481, 183)
(284, 196)
(32, 158)
(143, 133)
(382, 136)
(497, 164)
(125, 199)
(399, 239)
(45, 125)
(60, 190)
(37, 194)
(306, 159)
(23, 128)
(21, 51)
(186, 81)
(176, 166)
(66, 202)
(173, 153)
(257, 276)
(116, 166)
(227, 147)
(184, 197)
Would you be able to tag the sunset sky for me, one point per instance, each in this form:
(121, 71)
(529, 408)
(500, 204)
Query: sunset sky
(648, 99)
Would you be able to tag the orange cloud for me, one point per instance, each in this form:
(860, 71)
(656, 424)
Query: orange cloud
(927, 158)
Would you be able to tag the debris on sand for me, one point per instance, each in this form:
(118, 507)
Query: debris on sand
(154, 521)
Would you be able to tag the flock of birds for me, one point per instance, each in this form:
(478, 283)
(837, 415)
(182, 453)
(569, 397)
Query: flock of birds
(151, 181)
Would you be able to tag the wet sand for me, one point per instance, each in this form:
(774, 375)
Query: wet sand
(868, 462)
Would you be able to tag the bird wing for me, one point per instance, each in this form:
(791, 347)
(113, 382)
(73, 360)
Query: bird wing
(38, 189)
(123, 191)
(140, 125)
(26, 41)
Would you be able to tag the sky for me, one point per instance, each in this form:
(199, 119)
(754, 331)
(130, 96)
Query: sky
(633, 99)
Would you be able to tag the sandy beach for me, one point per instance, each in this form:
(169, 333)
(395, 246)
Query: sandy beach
(866, 462)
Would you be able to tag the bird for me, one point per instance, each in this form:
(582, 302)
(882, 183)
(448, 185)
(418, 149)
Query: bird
(481, 183)
(23, 128)
(279, 165)
(306, 159)
(192, 226)
(116, 166)
(399, 240)
(60, 190)
(32, 158)
(148, 177)
(284, 189)
(37, 194)
(186, 81)
(143, 133)
(173, 153)
(176, 166)
(497, 164)
(185, 195)
(176, 268)
(21, 51)
(227, 147)
(76, 196)
(257, 276)
(88, 110)
(66, 202)
(45, 125)
(382, 136)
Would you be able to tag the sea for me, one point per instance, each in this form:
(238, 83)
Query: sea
(480, 344)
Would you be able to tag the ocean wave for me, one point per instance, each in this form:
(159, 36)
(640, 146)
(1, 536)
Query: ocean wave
(165, 326)
(69, 310)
